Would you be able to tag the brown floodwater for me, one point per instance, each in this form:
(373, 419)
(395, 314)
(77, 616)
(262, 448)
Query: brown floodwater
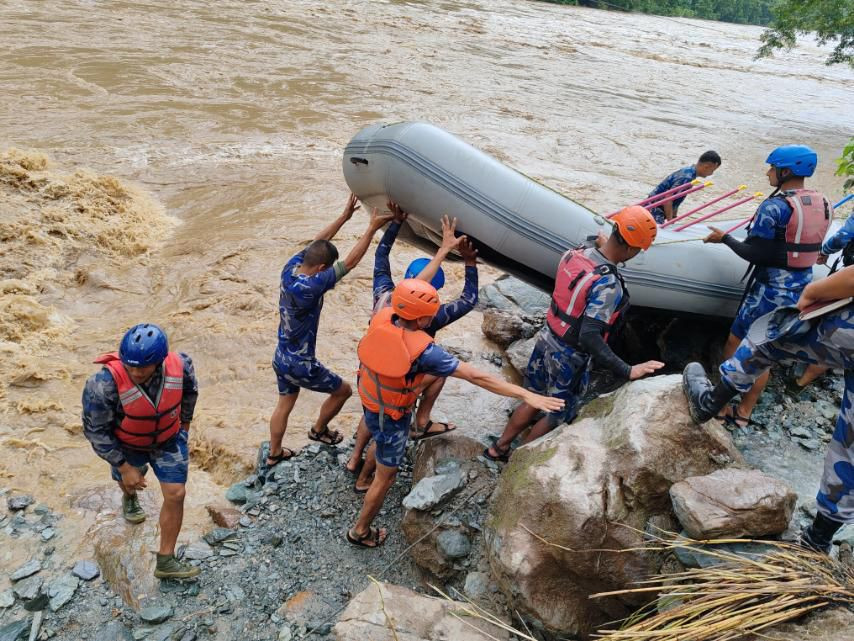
(223, 124)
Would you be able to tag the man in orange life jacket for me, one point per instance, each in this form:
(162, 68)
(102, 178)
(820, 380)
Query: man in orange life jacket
(136, 412)
(588, 299)
(398, 360)
(782, 245)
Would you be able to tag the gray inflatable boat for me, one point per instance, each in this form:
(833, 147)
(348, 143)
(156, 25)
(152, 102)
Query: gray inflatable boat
(523, 227)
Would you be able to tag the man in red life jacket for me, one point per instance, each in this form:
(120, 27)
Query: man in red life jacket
(398, 360)
(136, 412)
(588, 299)
(783, 243)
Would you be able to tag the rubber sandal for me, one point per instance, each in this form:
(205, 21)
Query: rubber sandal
(503, 454)
(357, 470)
(360, 490)
(326, 437)
(280, 457)
(372, 535)
(733, 421)
(426, 433)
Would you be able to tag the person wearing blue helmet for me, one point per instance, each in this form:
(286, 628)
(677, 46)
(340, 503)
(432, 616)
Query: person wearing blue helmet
(783, 243)
(137, 412)
(429, 270)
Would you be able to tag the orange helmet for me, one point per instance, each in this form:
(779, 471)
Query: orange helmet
(637, 226)
(413, 298)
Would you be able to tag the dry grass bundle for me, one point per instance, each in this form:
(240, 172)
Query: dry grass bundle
(738, 597)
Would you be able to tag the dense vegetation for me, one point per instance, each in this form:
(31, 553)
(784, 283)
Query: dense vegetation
(740, 11)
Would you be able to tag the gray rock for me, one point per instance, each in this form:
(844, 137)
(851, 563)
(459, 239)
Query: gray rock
(113, 631)
(809, 443)
(198, 551)
(238, 493)
(432, 490)
(86, 570)
(16, 503)
(453, 544)
(48, 533)
(695, 558)
(37, 604)
(156, 613)
(476, 585)
(220, 534)
(530, 299)
(28, 569)
(15, 630)
(28, 589)
(827, 409)
(285, 633)
(519, 353)
(7, 599)
(801, 432)
(61, 591)
(141, 633)
(245, 521)
(41, 509)
(162, 633)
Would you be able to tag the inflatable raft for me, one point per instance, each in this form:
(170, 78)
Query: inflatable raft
(523, 227)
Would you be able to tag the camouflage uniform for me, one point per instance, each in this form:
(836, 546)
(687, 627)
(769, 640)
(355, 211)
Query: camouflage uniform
(829, 341)
(558, 370)
(300, 304)
(770, 287)
(384, 285)
(678, 177)
(102, 413)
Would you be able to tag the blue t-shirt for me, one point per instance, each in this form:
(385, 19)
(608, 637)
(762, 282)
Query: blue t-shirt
(769, 223)
(300, 303)
(840, 239)
(678, 177)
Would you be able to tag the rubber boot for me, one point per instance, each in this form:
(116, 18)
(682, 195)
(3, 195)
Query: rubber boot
(705, 401)
(819, 535)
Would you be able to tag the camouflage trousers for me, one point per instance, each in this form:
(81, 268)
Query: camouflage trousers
(779, 337)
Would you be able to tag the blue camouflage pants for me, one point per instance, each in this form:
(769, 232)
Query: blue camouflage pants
(828, 340)
(557, 370)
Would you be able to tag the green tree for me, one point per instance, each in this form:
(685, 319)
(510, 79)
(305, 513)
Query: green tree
(845, 165)
(831, 21)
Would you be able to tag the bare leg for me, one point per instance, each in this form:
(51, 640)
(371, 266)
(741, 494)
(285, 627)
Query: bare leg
(541, 428)
(749, 400)
(363, 437)
(279, 423)
(171, 515)
(425, 406)
(331, 406)
(368, 469)
(521, 418)
(811, 373)
(383, 480)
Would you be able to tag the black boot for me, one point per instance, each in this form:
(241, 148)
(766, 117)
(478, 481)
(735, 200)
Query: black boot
(704, 400)
(819, 535)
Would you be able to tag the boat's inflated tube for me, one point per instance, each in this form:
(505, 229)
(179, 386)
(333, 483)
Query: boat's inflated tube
(523, 227)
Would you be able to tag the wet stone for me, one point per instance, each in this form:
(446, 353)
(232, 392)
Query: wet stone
(28, 589)
(157, 613)
(220, 534)
(62, 590)
(238, 493)
(28, 569)
(21, 502)
(453, 544)
(86, 570)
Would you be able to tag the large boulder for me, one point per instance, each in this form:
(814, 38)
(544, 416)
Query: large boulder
(593, 488)
(384, 612)
(519, 353)
(511, 294)
(443, 520)
(505, 327)
(732, 503)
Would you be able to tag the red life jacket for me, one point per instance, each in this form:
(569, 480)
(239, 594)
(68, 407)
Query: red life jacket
(576, 274)
(387, 353)
(807, 227)
(148, 423)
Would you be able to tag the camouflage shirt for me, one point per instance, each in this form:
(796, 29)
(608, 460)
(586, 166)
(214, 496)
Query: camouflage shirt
(102, 410)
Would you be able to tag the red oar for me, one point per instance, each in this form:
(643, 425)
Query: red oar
(675, 190)
(701, 207)
(758, 194)
(680, 194)
(741, 224)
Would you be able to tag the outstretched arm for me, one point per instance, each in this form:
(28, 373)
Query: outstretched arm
(376, 222)
(455, 310)
(328, 232)
(842, 237)
(382, 268)
(836, 286)
(503, 388)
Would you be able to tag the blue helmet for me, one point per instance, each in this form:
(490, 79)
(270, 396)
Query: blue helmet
(799, 159)
(418, 265)
(143, 344)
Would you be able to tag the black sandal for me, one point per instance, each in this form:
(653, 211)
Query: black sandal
(503, 453)
(326, 437)
(280, 457)
(420, 435)
(370, 540)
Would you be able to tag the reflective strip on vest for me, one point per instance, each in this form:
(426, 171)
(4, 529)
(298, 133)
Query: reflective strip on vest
(579, 288)
(798, 207)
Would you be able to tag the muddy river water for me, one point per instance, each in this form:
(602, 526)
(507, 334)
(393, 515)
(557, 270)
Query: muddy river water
(223, 124)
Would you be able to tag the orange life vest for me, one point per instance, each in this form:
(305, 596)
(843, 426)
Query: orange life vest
(387, 353)
(148, 422)
(576, 274)
(807, 227)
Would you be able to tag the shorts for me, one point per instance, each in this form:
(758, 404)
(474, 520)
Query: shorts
(311, 374)
(560, 372)
(391, 439)
(170, 463)
(761, 299)
(658, 214)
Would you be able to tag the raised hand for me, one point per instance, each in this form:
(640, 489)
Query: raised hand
(397, 212)
(351, 206)
(379, 219)
(468, 252)
(450, 241)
